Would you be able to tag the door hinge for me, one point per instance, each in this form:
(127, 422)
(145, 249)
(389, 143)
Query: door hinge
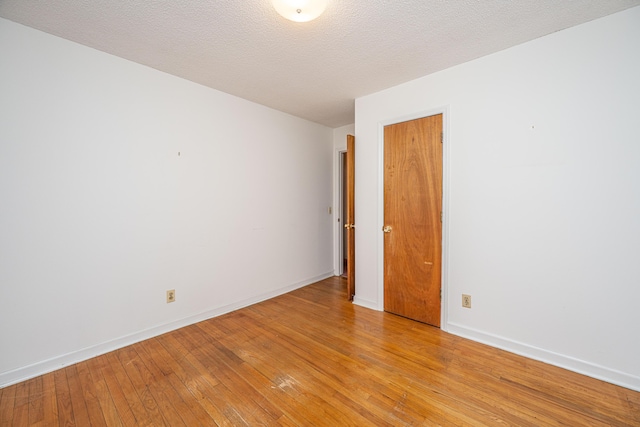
(441, 137)
(440, 216)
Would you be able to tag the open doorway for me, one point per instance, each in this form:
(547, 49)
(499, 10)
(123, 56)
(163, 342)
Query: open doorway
(344, 197)
(343, 213)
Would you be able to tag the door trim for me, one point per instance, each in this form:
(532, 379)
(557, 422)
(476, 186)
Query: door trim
(444, 110)
(338, 221)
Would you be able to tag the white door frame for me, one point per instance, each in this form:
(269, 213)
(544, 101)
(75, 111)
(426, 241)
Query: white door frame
(338, 220)
(444, 110)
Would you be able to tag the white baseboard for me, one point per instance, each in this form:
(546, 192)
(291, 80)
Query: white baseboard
(366, 303)
(576, 365)
(55, 363)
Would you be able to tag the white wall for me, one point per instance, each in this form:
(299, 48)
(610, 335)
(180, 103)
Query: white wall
(340, 136)
(543, 192)
(339, 146)
(99, 216)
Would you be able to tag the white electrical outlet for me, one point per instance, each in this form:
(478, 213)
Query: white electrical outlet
(171, 296)
(466, 301)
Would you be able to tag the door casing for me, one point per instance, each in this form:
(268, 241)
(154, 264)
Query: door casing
(445, 205)
(338, 217)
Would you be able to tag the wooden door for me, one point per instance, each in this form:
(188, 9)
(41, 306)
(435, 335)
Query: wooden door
(412, 218)
(350, 222)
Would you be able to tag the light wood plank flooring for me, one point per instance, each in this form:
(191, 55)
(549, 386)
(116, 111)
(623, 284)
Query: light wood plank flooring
(310, 358)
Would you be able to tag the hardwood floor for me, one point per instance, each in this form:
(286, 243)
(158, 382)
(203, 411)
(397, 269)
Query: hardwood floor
(310, 358)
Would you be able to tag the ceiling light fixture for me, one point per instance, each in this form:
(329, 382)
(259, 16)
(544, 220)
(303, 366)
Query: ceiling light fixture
(300, 10)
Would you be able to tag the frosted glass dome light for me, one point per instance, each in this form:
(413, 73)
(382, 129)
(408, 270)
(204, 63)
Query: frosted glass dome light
(300, 10)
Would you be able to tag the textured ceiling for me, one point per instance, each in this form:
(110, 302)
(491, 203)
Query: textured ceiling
(313, 70)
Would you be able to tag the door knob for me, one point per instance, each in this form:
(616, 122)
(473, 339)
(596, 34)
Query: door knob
(386, 229)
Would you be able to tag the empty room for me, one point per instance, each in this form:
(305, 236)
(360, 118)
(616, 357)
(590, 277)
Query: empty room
(319, 213)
